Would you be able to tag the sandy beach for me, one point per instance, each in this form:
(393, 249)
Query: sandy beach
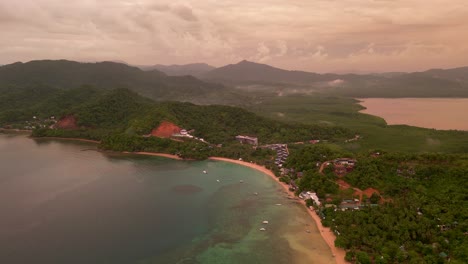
(170, 156)
(13, 130)
(73, 139)
(325, 232)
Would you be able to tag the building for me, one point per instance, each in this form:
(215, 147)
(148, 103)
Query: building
(247, 140)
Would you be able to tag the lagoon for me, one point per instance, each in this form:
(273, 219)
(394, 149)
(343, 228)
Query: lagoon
(66, 202)
(437, 113)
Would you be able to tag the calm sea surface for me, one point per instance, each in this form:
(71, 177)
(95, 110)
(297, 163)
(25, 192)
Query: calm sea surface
(64, 202)
(438, 113)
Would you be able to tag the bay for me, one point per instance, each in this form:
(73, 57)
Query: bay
(66, 202)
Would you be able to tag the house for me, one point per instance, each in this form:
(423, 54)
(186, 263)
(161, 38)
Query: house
(345, 162)
(292, 185)
(247, 140)
(314, 197)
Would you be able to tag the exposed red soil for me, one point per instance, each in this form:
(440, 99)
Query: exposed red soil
(343, 185)
(67, 122)
(165, 130)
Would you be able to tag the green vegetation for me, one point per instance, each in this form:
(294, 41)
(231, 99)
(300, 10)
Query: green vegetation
(421, 174)
(122, 115)
(189, 149)
(433, 83)
(422, 217)
(220, 124)
(63, 74)
(343, 112)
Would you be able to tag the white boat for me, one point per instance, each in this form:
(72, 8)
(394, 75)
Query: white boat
(205, 172)
(265, 222)
(262, 229)
(217, 180)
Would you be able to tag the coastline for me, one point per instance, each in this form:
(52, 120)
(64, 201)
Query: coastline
(22, 131)
(326, 233)
(71, 139)
(410, 111)
(14, 130)
(156, 154)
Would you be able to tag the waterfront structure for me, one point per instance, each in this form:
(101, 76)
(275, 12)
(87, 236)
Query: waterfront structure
(247, 140)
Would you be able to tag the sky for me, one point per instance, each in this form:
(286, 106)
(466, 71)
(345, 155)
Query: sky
(312, 35)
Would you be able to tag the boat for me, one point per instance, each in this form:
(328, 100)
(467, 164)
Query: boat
(262, 229)
(205, 172)
(265, 222)
(217, 180)
(278, 204)
(241, 181)
(255, 193)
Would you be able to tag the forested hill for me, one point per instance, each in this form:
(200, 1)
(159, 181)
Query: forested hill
(124, 111)
(194, 69)
(432, 83)
(154, 84)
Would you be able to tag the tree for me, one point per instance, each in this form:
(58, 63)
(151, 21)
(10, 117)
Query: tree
(375, 198)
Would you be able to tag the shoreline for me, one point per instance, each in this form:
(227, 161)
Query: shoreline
(14, 130)
(327, 235)
(410, 110)
(59, 138)
(71, 139)
(155, 154)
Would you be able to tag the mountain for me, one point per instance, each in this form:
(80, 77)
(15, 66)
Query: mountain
(194, 69)
(100, 112)
(246, 71)
(433, 83)
(455, 74)
(63, 74)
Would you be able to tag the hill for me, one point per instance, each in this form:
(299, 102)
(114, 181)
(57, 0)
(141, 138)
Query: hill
(124, 111)
(246, 71)
(433, 83)
(456, 74)
(194, 69)
(154, 84)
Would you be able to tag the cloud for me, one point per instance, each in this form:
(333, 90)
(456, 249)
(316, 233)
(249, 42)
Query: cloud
(358, 34)
(184, 12)
(283, 48)
(263, 53)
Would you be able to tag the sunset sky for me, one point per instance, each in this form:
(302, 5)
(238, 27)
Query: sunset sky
(311, 35)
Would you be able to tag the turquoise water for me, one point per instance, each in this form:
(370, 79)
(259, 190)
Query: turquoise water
(65, 202)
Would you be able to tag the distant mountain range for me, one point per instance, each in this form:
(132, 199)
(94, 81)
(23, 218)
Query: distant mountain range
(432, 83)
(214, 85)
(194, 69)
(154, 84)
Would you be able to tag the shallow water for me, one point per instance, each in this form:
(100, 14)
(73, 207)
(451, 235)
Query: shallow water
(64, 202)
(438, 113)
